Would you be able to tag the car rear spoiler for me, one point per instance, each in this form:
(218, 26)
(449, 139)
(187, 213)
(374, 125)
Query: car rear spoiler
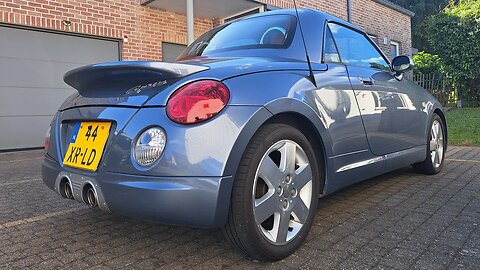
(127, 74)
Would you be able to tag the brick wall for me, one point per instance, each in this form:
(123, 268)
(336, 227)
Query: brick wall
(382, 21)
(142, 29)
(335, 7)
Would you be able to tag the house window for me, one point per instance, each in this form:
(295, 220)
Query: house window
(394, 49)
(170, 51)
(256, 10)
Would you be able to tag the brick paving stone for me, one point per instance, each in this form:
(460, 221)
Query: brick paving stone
(400, 220)
(399, 258)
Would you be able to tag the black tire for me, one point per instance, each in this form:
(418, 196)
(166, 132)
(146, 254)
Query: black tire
(427, 166)
(241, 228)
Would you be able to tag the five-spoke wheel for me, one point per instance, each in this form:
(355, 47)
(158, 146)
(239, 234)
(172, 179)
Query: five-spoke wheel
(436, 143)
(275, 193)
(282, 192)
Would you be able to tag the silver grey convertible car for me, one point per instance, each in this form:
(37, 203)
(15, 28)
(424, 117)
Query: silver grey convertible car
(255, 121)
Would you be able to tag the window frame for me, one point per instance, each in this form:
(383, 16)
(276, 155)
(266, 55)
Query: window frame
(397, 45)
(325, 29)
(171, 43)
(243, 14)
(366, 36)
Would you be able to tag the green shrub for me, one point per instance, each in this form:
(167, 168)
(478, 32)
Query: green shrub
(454, 34)
(426, 63)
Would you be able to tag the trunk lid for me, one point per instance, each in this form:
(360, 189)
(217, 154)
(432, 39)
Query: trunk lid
(127, 83)
(138, 83)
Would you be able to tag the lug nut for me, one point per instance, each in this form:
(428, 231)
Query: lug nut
(285, 204)
(293, 192)
(288, 178)
(279, 190)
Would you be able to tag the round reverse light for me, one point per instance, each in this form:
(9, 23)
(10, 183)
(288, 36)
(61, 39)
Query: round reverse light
(149, 146)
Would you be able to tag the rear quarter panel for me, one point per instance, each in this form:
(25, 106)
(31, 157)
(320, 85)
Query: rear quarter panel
(291, 92)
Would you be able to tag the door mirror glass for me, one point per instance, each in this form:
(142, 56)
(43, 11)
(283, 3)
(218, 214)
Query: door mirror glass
(402, 64)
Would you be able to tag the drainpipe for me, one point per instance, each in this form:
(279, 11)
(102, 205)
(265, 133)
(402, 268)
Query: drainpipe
(190, 18)
(349, 10)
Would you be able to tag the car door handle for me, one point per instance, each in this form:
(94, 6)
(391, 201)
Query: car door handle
(366, 80)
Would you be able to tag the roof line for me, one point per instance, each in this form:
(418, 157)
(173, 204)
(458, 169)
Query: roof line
(146, 2)
(396, 7)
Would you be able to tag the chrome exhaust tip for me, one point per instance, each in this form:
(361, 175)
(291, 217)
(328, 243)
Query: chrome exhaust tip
(90, 196)
(67, 189)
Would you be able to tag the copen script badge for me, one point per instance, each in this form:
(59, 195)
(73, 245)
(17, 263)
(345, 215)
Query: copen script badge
(139, 88)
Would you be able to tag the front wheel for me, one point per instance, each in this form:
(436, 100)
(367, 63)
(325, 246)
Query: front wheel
(275, 194)
(435, 148)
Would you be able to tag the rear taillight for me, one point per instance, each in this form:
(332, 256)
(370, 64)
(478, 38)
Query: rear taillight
(197, 101)
(47, 139)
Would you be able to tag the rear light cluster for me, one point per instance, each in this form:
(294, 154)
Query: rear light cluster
(47, 139)
(197, 102)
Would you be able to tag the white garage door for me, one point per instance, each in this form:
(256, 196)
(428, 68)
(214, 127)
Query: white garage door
(32, 64)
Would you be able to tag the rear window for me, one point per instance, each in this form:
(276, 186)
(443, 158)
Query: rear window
(275, 31)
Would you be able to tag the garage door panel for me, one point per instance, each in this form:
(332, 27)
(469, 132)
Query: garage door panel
(54, 47)
(27, 73)
(32, 65)
(30, 101)
(23, 132)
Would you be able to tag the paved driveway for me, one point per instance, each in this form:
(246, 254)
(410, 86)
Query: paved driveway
(398, 220)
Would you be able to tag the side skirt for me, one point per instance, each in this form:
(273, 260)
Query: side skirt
(354, 172)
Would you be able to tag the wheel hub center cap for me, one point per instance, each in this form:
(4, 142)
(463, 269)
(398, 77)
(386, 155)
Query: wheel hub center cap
(287, 192)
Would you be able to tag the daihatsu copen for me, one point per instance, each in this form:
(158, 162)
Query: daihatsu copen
(251, 125)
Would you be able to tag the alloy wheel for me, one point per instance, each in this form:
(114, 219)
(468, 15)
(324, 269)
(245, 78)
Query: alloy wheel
(436, 144)
(282, 192)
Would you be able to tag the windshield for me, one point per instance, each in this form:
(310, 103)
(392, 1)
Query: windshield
(274, 31)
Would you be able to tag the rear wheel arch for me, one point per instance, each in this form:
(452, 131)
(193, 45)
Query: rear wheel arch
(295, 119)
(298, 114)
(305, 126)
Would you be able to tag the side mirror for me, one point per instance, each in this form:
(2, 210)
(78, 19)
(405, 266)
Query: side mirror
(402, 64)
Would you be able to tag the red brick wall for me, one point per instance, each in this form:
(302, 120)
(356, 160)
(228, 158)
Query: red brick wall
(335, 7)
(382, 21)
(145, 27)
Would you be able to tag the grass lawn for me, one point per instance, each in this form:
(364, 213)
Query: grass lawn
(464, 126)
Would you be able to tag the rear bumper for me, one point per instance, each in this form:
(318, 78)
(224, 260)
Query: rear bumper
(193, 201)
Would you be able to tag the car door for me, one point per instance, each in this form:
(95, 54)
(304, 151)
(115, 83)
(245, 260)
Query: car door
(335, 102)
(392, 120)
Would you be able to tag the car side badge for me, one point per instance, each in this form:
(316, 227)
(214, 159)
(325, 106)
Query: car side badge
(311, 76)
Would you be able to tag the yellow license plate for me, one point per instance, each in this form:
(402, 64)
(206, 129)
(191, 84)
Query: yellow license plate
(86, 145)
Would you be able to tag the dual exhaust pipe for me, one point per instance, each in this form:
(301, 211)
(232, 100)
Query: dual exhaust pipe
(89, 194)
